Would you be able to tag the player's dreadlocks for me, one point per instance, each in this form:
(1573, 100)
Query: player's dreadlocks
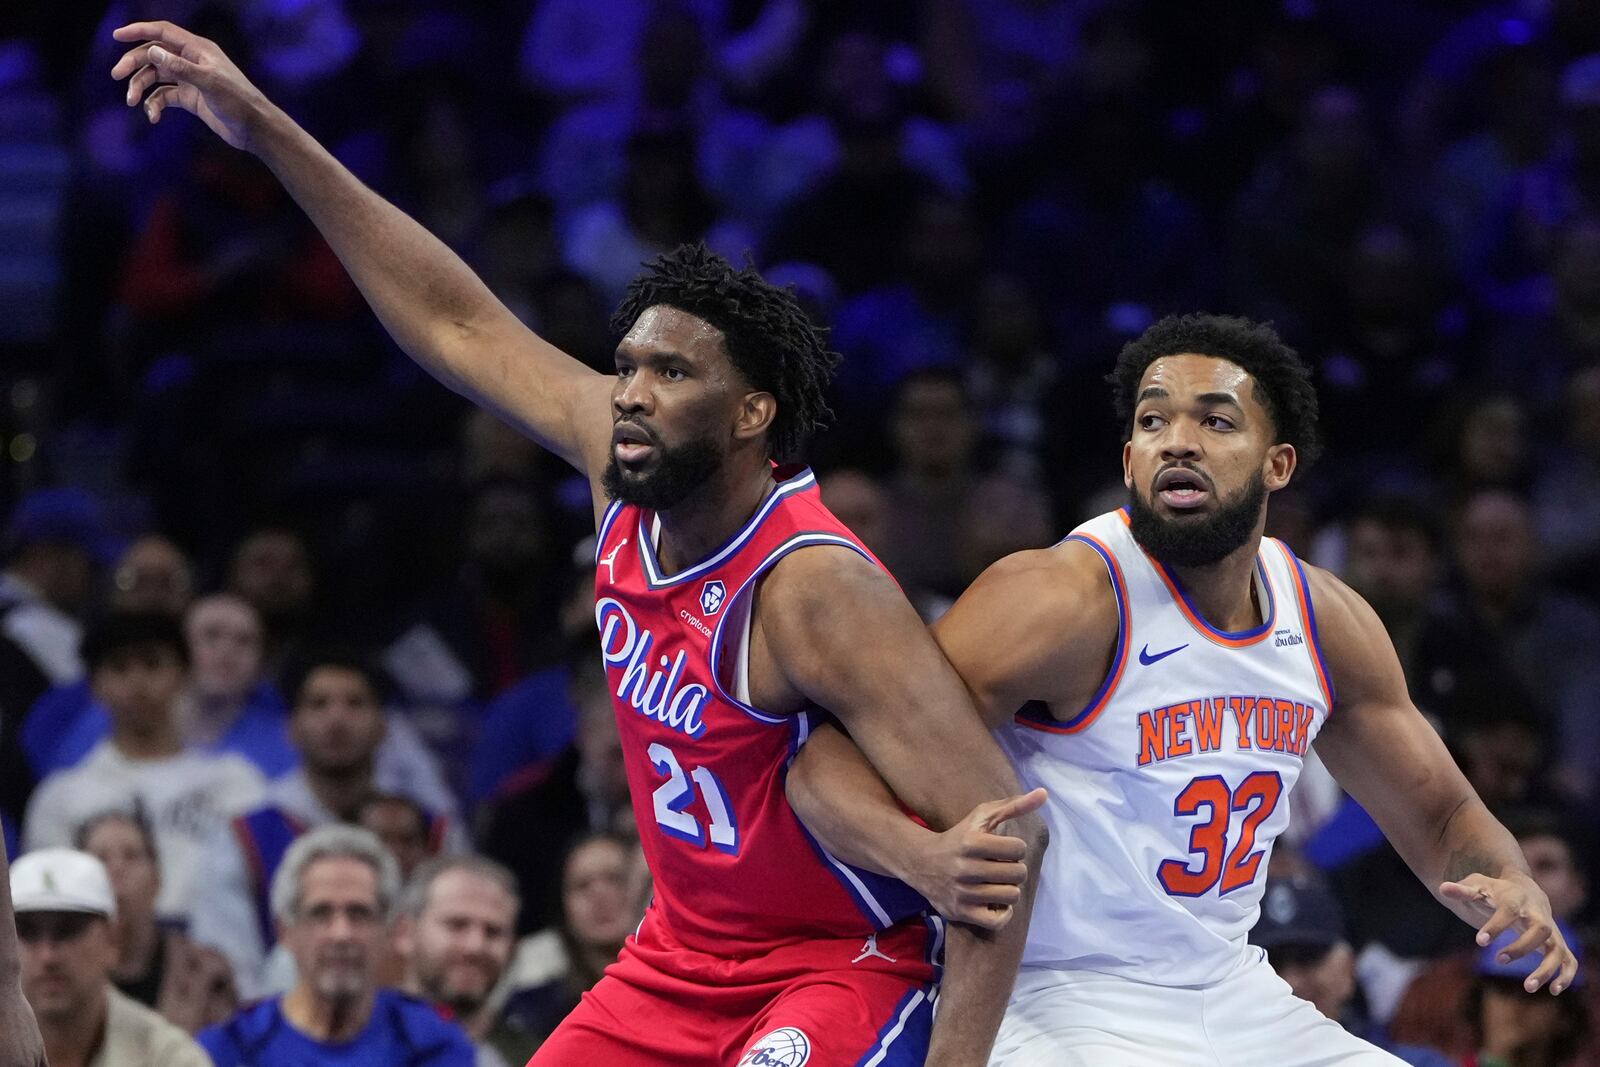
(1282, 380)
(770, 339)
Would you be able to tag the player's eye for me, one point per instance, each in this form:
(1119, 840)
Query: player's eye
(674, 374)
(1150, 421)
(1218, 422)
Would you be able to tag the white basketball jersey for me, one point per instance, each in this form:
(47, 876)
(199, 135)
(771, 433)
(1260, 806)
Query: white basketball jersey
(1167, 791)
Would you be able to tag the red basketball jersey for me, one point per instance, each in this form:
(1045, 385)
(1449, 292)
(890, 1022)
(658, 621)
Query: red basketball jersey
(735, 872)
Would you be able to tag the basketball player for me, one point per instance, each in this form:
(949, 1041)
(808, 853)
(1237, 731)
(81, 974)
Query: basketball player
(20, 1043)
(731, 605)
(1173, 667)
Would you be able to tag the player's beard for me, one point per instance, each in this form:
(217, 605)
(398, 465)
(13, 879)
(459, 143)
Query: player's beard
(1198, 540)
(676, 473)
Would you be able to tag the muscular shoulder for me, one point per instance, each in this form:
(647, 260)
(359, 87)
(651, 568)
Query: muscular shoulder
(1355, 645)
(1034, 626)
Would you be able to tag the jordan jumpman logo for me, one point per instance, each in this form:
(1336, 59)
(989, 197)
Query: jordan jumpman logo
(610, 562)
(870, 950)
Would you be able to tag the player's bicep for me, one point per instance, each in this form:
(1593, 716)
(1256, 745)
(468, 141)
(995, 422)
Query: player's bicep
(846, 638)
(1376, 743)
(1033, 626)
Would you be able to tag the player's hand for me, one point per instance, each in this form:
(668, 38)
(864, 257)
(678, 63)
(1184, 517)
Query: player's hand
(20, 1044)
(1496, 905)
(970, 873)
(171, 67)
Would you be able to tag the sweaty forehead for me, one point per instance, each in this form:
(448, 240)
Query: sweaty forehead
(663, 328)
(1189, 373)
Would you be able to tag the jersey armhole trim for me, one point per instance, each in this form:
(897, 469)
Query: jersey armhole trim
(798, 541)
(1119, 658)
(604, 531)
(1308, 611)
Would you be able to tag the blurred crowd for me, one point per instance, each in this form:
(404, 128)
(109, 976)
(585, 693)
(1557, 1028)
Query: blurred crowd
(261, 575)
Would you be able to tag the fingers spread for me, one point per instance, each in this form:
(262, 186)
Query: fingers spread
(1535, 935)
(163, 31)
(1498, 924)
(1547, 969)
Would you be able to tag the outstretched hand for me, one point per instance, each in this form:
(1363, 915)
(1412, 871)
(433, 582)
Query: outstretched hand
(171, 67)
(1496, 905)
(972, 874)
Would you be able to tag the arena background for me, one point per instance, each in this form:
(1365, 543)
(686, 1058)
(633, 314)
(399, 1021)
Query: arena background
(984, 198)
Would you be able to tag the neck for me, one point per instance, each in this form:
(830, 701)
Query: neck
(207, 716)
(73, 1040)
(139, 941)
(341, 792)
(158, 743)
(1223, 592)
(702, 522)
(327, 1020)
(595, 958)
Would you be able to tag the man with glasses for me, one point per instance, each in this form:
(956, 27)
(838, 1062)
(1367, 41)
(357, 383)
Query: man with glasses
(332, 898)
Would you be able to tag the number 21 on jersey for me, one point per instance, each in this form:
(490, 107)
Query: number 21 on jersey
(1232, 868)
(677, 793)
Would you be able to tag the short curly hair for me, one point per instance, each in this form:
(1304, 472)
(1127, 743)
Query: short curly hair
(771, 340)
(1283, 382)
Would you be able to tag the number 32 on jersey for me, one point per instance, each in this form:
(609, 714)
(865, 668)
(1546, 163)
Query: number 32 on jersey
(677, 793)
(1220, 866)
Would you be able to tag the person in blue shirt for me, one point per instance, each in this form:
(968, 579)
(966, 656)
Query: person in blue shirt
(333, 897)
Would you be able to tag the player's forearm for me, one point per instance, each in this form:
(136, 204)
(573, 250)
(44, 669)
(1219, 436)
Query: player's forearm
(980, 969)
(847, 807)
(1472, 841)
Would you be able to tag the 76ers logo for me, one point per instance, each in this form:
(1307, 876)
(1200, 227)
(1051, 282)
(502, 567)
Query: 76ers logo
(711, 597)
(786, 1047)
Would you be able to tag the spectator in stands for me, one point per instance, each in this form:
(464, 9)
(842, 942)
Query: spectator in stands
(1567, 490)
(271, 568)
(603, 894)
(152, 575)
(861, 503)
(1517, 1028)
(64, 909)
(190, 985)
(1437, 1008)
(1302, 931)
(55, 540)
(407, 829)
(227, 706)
(337, 726)
(333, 898)
(1391, 557)
(138, 666)
(456, 933)
(934, 435)
(582, 792)
(1550, 640)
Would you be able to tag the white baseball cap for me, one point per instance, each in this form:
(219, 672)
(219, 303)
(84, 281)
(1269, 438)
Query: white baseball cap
(61, 879)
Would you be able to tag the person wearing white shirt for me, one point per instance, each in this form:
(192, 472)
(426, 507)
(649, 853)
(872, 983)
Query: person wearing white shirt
(138, 667)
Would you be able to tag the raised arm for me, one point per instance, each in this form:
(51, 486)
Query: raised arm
(431, 302)
(1391, 761)
(20, 1044)
(838, 632)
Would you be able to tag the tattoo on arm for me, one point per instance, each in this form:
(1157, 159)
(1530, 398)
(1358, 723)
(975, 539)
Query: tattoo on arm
(1471, 860)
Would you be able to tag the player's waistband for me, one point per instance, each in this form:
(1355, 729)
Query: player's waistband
(913, 948)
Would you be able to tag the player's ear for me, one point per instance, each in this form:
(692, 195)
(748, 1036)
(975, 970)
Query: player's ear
(1279, 467)
(756, 414)
(1127, 461)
